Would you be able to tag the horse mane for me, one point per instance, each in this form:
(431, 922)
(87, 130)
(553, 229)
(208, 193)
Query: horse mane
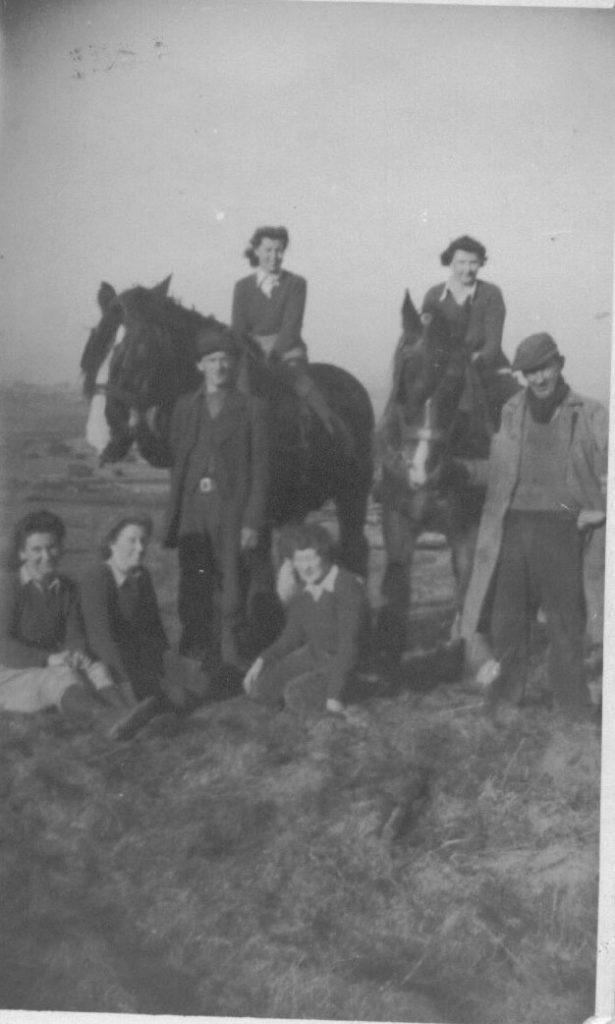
(139, 307)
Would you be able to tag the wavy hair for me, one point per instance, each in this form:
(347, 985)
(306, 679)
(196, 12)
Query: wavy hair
(279, 234)
(466, 244)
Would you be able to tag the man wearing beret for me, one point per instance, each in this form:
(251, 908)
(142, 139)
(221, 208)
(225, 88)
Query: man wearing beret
(219, 442)
(545, 503)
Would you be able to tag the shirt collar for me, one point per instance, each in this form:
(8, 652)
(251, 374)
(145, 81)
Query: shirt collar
(123, 577)
(326, 583)
(26, 577)
(266, 282)
(470, 292)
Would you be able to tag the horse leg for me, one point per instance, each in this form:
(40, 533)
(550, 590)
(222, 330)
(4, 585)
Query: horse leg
(462, 543)
(393, 616)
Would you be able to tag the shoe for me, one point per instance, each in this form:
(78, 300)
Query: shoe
(127, 725)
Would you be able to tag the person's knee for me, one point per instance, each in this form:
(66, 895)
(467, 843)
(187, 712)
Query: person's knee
(57, 681)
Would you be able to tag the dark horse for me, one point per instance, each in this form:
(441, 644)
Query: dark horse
(135, 380)
(435, 426)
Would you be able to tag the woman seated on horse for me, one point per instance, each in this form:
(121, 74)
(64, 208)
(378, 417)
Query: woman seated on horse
(476, 312)
(268, 308)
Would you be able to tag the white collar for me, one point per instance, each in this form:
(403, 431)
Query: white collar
(266, 282)
(26, 577)
(326, 583)
(469, 292)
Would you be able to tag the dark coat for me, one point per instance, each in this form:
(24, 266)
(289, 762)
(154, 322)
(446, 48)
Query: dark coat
(237, 444)
(255, 314)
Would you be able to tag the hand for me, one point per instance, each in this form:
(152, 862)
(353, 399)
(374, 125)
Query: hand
(590, 517)
(249, 538)
(252, 675)
(77, 659)
(335, 707)
(58, 658)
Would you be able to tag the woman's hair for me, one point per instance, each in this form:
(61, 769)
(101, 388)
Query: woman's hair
(315, 536)
(41, 521)
(466, 244)
(278, 234)
(118, 524)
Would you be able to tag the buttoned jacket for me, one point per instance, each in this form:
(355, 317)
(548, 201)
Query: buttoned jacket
(233, 448)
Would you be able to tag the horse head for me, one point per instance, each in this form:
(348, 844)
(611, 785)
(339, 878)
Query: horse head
(137, 362)
(428, 380)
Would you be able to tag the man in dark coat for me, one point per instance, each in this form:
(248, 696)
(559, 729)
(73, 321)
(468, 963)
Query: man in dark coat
(216, 514)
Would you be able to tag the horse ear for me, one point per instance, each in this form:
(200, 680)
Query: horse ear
(106, 295)
(410, 319)
(161, 290)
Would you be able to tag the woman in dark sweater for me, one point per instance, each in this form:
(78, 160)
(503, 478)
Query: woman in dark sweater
(476, 312)
(120, 612)
(268, 308)
(43, 662)
(311, 664)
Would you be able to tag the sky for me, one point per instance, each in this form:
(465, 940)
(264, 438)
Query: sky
(147, 137)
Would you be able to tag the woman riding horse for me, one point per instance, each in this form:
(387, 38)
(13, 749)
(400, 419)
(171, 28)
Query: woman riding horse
(268, 308)
(475, 312)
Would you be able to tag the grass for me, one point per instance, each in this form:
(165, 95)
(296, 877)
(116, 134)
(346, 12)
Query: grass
(421, 861)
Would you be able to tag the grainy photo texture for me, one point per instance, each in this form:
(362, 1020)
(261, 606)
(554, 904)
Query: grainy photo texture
(306, 341)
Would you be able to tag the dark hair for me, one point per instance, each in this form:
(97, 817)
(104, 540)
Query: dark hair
(278, 234)
(41, 521)
(466, 244)
(313, 535)
(116, 526)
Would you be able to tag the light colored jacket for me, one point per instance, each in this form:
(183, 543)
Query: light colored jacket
(584, 422)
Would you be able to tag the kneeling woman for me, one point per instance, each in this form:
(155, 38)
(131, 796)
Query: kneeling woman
(310, 666)
(120, 612)
(43, 663)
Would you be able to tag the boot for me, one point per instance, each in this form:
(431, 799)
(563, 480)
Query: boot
(113, 697)
(83, 709)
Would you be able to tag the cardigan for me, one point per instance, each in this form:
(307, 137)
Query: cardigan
(35, 623)
(254, 314)
(485, 325)
(122, 624)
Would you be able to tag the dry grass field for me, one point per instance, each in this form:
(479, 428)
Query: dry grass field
(418, 861)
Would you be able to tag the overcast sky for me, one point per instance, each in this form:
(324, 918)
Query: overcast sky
(144, 137)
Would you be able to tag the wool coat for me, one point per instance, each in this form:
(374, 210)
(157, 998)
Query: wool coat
(235, 449)
(583, 423)
(255, 314)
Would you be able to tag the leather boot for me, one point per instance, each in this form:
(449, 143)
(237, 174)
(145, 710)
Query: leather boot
(84, 710)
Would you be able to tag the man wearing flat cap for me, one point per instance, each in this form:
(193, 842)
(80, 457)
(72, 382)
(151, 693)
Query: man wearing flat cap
(545, 503)
(219, 443)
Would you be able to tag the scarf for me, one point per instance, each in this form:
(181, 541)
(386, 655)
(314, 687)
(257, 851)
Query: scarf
(542, 409)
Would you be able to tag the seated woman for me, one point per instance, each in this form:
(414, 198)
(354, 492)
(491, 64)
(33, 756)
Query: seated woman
(43, 663)
(268, 308)
(120, 612)
(311, 664)
(476, 312)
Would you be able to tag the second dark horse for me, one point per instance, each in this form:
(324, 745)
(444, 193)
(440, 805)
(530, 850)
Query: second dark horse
(434, 428)
(141, 357)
